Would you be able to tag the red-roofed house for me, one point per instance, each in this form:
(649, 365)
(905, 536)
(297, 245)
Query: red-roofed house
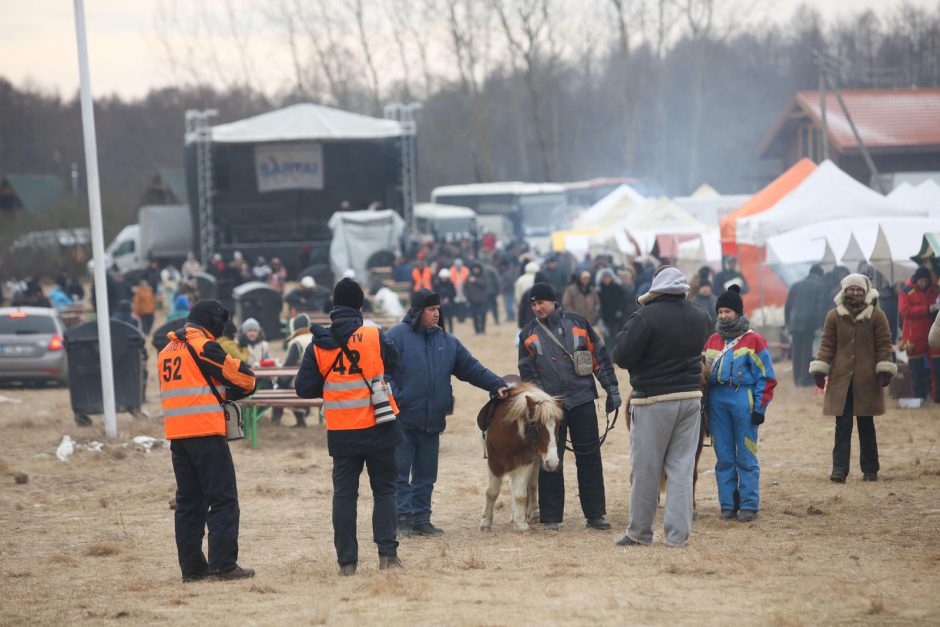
(900, 127)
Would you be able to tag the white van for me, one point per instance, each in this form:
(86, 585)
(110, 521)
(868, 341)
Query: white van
(446, 221)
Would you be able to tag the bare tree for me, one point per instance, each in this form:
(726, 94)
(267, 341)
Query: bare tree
(359, 14)
(528, 29)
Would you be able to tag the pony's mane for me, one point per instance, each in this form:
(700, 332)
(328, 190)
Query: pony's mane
(519, 409)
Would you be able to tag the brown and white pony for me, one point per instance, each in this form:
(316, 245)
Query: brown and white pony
(520, 434)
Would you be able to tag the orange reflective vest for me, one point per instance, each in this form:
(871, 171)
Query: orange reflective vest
(347, 399)
(420, 279)
(458, 276)
(190, 410)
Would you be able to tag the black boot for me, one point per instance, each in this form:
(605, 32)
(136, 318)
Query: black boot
(406, 526)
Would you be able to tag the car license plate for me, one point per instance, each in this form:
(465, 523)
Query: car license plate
(15, 349)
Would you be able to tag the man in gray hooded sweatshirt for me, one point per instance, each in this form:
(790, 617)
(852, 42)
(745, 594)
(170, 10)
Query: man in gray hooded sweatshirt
(661, 346)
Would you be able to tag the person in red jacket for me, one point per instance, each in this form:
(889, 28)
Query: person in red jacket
(917, 304)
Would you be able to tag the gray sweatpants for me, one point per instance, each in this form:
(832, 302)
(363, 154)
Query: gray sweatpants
(663, 436)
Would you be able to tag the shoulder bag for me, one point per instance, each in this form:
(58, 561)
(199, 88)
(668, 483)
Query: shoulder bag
(583, 360)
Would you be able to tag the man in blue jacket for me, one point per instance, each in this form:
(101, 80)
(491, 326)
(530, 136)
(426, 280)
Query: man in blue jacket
(421, 386)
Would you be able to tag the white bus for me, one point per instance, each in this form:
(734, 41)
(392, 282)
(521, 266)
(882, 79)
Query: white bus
(523, 210)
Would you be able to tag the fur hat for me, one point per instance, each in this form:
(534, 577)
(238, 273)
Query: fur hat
(210, 315)
(347, 293)
(424, 298)
(731, 300)
(856, 280)
(542, 291)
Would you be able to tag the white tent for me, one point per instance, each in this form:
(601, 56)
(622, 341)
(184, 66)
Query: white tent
(613, 207)
(922, 197)
(897, 241)
(305, 122)
(900, 192)
(826, 194)
(639, 229)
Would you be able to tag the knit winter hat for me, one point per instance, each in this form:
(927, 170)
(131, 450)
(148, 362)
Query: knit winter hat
(856, 280)
(731, 300)
(347, 293)
(210, 315)
(921, 273)
(250, 325)
(423, 298)
(669, 280)
(542, 291)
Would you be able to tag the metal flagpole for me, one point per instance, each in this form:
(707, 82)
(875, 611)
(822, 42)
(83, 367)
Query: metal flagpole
(97, 234)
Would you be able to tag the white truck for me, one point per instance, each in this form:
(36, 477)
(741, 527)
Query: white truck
(163, 233)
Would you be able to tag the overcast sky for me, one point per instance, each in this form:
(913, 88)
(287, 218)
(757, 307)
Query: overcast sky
(127, 54)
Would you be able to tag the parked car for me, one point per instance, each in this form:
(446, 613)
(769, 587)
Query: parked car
(31, 346)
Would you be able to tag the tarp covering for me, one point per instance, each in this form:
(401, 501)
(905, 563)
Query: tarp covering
(357, 235)
(305, 122)
(827, 193)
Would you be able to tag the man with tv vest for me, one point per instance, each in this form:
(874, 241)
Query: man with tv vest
(345, 364)
(194, 422)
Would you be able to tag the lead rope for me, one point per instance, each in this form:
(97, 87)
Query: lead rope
(600, 440)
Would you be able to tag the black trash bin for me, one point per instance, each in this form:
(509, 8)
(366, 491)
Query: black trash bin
(206, 285)
(159, 340)
(263, 303)
(128, 359)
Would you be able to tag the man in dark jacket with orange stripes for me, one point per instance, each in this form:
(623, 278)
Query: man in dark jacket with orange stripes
(194, 422)
(546, 357)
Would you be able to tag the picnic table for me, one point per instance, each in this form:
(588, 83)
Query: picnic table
(255, 405)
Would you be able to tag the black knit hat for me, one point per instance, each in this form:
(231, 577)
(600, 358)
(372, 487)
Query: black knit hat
(347, 293)
(921, 273)
(542, 291)
(731, 300)
(424, 298)
(210, 315)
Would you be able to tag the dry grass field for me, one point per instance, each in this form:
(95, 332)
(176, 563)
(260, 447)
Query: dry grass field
(91, 540)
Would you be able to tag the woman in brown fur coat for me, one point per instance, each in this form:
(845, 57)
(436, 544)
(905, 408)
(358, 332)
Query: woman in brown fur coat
(855, 354)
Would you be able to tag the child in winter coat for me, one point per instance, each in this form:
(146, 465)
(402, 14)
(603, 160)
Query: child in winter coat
(252, 338)
(741, 385)
(855, 354)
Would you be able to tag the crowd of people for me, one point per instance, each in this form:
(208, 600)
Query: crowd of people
(686, 344)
